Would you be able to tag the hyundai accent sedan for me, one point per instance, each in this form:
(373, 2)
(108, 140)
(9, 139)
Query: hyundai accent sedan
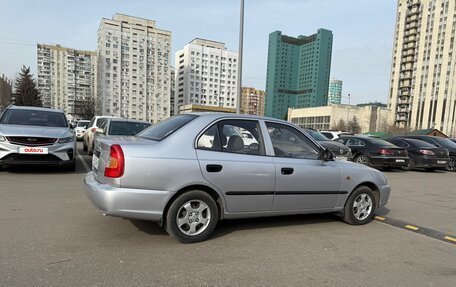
(187, 173)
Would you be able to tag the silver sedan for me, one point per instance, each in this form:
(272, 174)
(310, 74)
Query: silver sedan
(191, 170)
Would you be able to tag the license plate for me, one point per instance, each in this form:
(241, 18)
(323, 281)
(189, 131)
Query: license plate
(400, 160)
(441, 162)
(94, 162)
(341, 157)
(33, 150)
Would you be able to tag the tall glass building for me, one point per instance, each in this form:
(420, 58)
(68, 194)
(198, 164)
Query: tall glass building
(335, 91)
(298, 72)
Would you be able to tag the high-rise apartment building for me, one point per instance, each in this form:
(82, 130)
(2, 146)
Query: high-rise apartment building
(335, 91)
(173, 91)
(423, 82)
(66, 77)
(133, 68)
(298, 72)
(206, 75)
(252, 102)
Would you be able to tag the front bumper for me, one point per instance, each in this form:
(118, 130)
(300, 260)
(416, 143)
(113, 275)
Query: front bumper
(126, 202)
(389, 161)
(58, 154)
(385, 192)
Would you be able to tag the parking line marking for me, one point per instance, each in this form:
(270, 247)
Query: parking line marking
(84, 164)
(432, 233)
(411, 227)
(450, 238)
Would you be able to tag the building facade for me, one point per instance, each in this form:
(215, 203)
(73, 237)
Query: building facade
(252, 101)
(423, 81)
(173, 91)
(371, 118)
(6, 92)
(206, 75)
(335, 91)
(134, 77)
(298, 72)
(66, 77)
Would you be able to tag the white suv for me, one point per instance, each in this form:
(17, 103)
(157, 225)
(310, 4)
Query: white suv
(87, 140)
(332, 135)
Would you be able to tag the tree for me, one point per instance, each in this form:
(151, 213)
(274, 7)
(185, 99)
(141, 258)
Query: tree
(85, 109)
(25, 91)
(341, 126)
(5, 93)
(353, 126)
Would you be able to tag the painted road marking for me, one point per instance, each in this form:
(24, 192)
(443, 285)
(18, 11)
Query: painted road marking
(84, 164)
(411, 227)
(448, 238)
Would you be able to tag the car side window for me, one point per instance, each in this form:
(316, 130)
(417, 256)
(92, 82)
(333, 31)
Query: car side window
(103, 127)
(328, 135)
(289, 142)
(401, 144)
(235, 136)
(355, 142)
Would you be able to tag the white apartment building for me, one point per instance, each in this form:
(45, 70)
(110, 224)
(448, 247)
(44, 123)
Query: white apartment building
(133, 69)
(423, 74)
(66, 77)
(206, 75)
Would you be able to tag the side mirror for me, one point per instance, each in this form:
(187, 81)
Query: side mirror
(328, 155)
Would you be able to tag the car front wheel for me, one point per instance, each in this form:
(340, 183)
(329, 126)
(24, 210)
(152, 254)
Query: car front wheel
(360, 206)
(192, 217)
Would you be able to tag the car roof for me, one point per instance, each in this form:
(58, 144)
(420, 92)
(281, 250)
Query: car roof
(128, 120)
(34, 108)
(215, 115)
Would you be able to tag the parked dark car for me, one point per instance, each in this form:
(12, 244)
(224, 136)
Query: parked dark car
(339, 150)
(375, 152)
(422, 154)
(442, 143)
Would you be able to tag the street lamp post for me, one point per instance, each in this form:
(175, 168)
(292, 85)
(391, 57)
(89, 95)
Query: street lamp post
(348, 114)
(241, 40)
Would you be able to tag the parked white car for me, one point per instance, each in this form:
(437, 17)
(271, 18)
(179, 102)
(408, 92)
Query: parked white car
(80, 129)
(332, 135)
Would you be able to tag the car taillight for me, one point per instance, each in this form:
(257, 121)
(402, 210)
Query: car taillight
(427, 152)
(94, 130)
(116, 162)
(386, 152)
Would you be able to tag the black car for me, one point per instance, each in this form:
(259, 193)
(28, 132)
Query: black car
(339, 150)
(422, 154)
(375, 152)
(443, 143)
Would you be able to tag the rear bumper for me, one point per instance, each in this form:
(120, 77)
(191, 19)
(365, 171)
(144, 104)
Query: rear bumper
(389, 161)
(125, 202)
(431, 162)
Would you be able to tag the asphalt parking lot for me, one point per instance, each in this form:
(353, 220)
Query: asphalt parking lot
(51, 235)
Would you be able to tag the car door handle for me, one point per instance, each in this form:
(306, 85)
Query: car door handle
(287, 170)
(214, 167)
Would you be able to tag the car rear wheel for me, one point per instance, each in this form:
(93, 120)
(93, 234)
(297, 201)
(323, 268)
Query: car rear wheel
(84, 146)
(410, 166)
(360, 206)
(362, 159)
(71, 166)
(452, 165)
(192, 217)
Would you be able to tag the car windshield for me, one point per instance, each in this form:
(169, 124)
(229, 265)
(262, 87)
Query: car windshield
(165, 128)
(119, 128)
(82, 124)
(380, 142)
(318, 136)
(34, 118)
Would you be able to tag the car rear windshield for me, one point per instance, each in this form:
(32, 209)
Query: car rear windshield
(420, 143)
(165, 128)
(380, 142)
(34, 118)
(118, 128)
(446, 142)
(317, 135)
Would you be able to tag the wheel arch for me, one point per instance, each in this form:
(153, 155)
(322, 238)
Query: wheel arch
(375, 190)
(214, 194)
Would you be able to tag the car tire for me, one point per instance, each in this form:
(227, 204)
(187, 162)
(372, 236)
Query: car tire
(410, 166)
(192, 217)
(362, 159)
(91, 150)
(71, 166)
(430, 169)
(360, 206)
(452, 165)
(84, 146)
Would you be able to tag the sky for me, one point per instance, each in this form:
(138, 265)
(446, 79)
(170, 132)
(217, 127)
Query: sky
(363, 32)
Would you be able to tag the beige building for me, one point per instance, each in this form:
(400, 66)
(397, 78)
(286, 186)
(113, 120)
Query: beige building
(371, 118)
(204, 109)
(134, 76)
(252, 101)
(423, 81)
(66, 77)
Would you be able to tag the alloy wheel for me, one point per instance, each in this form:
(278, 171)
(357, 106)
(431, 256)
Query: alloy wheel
(452, 165)
(362, 206)
(193, 217)
(362, 159)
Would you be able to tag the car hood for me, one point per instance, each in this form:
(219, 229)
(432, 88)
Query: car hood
(34, 131)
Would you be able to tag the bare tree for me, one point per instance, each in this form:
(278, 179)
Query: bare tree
(340, 126)
(353, 126)
(85, 109)
(25, 91)
(6, 91)
(397, 131)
